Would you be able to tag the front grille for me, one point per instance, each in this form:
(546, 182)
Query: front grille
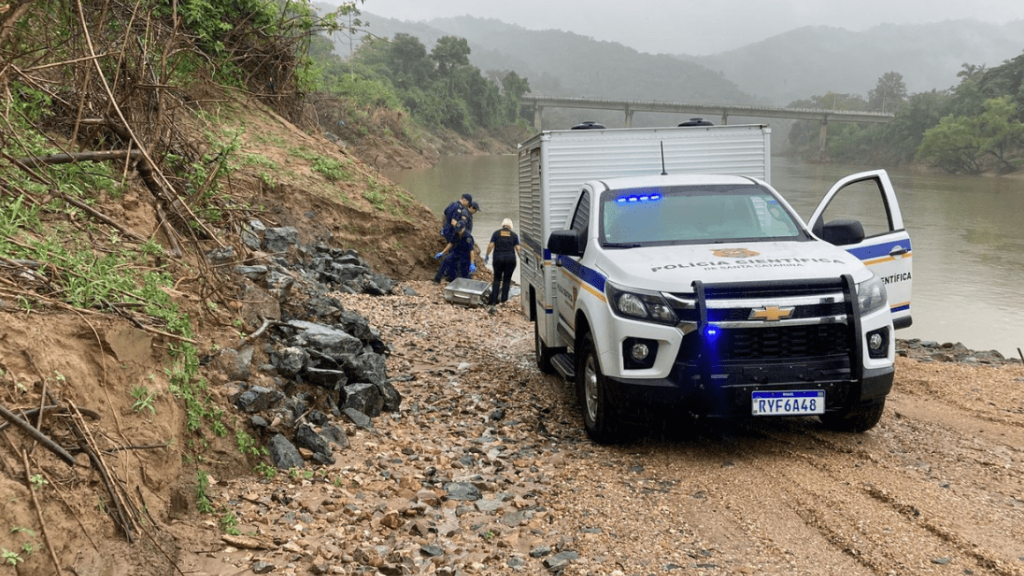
(783, 343)
(820, 324)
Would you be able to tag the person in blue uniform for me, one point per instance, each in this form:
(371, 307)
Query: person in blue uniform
(505, 245)
(456, 258)
(471, 210)
(455, 212)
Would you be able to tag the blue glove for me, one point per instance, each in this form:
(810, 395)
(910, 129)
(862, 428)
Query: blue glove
(472, 267)
(438, 255)
(487, 259)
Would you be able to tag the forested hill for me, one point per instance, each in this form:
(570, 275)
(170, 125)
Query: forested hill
(820, 59)
(791, 66)
(565, 64)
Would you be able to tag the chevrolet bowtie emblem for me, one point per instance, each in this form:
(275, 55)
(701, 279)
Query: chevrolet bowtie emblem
(771, 313)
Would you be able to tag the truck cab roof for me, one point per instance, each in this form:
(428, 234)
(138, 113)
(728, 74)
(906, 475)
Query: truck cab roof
(628, 182)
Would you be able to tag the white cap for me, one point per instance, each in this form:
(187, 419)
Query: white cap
(506, 223)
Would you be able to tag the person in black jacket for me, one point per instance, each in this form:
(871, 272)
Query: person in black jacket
(505, 245)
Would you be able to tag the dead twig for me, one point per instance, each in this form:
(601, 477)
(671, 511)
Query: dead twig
(259, 332)
(37, 435)
(54, 408)
(39, 514)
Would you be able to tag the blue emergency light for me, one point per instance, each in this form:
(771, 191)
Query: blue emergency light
(638, 198)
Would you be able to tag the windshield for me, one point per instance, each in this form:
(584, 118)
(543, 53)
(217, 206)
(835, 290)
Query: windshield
(694, 214)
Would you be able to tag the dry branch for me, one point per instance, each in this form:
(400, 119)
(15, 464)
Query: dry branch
(37, 435)
(39, 514)
(54, 408)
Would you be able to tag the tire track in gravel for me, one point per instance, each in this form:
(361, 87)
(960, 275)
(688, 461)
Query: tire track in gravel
(846, 519)
(985, 532)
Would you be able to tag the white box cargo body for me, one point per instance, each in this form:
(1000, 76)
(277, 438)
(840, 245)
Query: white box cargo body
(554, 164)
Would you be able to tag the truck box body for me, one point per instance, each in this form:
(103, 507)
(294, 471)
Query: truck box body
(661, 269)
(553, 164)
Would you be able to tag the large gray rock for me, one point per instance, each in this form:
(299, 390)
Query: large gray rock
(257, 399)
(367, 368)
(364, 397)
(307, 438)
(290, 360)
(280, 285)
(332, 342)
(392, 398)
(462, 491)
(278, 240)
(283, 453)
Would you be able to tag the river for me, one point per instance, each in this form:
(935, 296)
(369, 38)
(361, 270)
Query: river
(967, 234)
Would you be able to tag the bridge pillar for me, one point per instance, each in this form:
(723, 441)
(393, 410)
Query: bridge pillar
(629, 117)
(823, 137)
(725, 116)
(538, 112)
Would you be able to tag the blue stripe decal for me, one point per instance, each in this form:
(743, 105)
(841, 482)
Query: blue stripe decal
(901, 308)
(588, 275)
(879, 250)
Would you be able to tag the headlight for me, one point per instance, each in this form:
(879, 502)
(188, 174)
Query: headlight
(871, 294)
(640, 305)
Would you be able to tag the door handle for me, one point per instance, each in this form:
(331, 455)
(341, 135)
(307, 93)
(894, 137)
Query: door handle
(898, 251)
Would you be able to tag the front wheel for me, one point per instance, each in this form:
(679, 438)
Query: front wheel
(854, 419)
(541, 352)
(600, 418)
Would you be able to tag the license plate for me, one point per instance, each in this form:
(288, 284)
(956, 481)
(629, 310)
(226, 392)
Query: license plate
(787, 402)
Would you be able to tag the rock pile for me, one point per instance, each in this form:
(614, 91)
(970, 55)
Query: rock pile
(323, 363)
(931, 351)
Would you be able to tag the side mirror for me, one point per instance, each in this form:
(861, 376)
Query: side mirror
(566, 242)
(843, 232)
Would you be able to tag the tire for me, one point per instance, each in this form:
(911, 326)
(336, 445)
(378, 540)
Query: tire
(541, 352)
(600, 419)
(855, 419)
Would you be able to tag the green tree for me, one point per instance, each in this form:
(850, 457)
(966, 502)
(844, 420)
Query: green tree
(889, 93)
(512, 89)
(407, 62)
(970, 71)
(962, 144)
(449, 53)
(953, 146)
(1002, 133)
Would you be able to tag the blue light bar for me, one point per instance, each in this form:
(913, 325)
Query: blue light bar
(638, 198)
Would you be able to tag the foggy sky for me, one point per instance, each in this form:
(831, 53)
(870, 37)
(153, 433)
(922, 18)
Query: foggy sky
(696, 27)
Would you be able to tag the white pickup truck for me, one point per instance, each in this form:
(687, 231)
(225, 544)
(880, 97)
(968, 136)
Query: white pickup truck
(663, 272)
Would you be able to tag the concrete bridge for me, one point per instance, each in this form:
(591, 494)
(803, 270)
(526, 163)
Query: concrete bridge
(629, 107)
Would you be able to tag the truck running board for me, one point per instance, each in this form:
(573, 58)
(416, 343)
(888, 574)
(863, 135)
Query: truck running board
(565, 364)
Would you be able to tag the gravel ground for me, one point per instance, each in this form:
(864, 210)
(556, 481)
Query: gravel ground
(486, 470)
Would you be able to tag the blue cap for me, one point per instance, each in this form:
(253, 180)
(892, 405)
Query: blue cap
(468, 197)
(475, 206)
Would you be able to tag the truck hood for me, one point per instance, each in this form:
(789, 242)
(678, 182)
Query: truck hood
(673, 268)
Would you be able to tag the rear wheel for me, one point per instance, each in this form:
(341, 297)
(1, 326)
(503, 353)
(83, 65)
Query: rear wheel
(600, 418)
(854, 419)
(541, 352)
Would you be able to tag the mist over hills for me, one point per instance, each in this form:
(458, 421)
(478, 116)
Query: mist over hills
(819, 59)
(794, 65)
(561, 63)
